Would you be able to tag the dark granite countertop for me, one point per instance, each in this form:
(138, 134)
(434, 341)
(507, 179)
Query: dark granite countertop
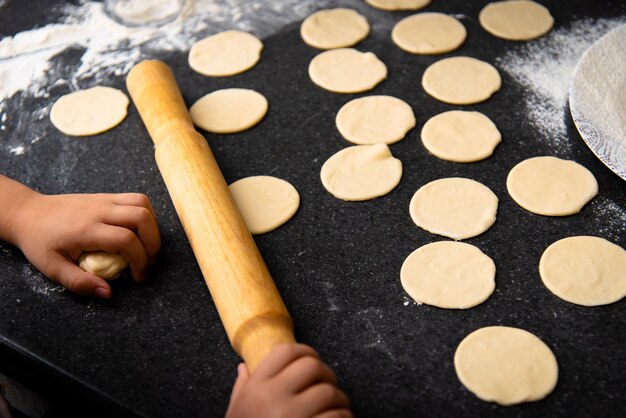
(159, 350)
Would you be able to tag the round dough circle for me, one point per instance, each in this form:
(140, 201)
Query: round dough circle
(460, 136)
(455, 207)
(551, 186)
(225, 53)
(392, 5)
(361, 172)
(448, 274)
(89, 112)
(106, 265)
(516, 20)
(229, 110)
(461, 80)
(265, 202)
(588, 271)
(347, 70)
(334, 28)
(506, 365)
(428, 33)
(372, 119)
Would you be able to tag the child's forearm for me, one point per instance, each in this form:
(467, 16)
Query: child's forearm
(12, 198)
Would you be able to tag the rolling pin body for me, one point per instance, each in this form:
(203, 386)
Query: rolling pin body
(249, 305)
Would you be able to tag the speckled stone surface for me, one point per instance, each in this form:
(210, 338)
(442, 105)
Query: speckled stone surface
(159, 350)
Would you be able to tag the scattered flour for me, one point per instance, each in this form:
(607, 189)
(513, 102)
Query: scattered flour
(544, 68)
(111, 48)
(610, 219)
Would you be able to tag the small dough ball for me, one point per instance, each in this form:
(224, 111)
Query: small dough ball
(428, 33)
(392, 5)
(347, 70)
(229, 110)
(265, 202)
(456, 208)
(516, 20)
(334, 28)
(460, 136)
(225, 53)
(551, 186)
(361, 172)
(461, 80)
(587, 271)
(372, 119)
(89, 112)
(448, 274)
(506, 365)
(106, 265)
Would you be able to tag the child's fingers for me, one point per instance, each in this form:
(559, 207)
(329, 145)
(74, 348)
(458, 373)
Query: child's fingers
(321, 398)
(280, 357)
(137, 219)
(305, 372)
(133, 199)
(242, 378)
(75, 279)
(119, 240)
(335, 413)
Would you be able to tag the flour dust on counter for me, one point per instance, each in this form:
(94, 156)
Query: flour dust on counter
(544, 68)
(108, 49)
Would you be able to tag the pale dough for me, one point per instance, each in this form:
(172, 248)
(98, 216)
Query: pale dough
(460, 136)
(265, 202)
(372, 119)
(89, 112)
(551, 186)
(334, 28)
(229, 110)
(225, 53)
(361, 172)
(429, 33)
(455, 207)
(398, 4)
(588, 271)
(506, 365)
(106, 265)
(461, 80)
(347, 70)
(448, 274)
(516, 20)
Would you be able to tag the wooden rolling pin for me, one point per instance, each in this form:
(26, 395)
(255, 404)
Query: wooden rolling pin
(251, 309)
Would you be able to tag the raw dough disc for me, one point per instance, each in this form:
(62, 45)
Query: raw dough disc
(461, 80)
(398, 4)
(506, 365)
(516, 20)
(551, 186)
(347, 70)
(334, 28)
(588, 271)
(265, 202)
(460, 136)
(448, 274)
(361, 172)
(372, 119)
(455, 207)
(428, 33)
(106, 265)
(225, 53)
(229, 110)
(89, 112)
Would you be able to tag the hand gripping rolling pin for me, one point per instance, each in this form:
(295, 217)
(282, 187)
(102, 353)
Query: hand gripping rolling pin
(249, 305)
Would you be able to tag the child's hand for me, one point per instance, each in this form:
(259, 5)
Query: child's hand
(54, 230)
(290, 382)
